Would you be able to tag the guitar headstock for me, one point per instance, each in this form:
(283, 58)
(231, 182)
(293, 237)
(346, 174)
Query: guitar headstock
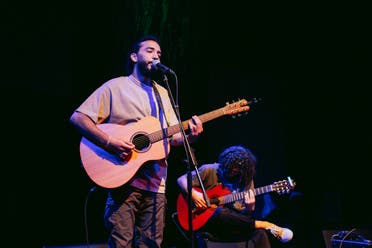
(284, 186)
(239, 107)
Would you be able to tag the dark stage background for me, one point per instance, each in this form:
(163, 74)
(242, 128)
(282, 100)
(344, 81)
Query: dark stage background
(310, 63)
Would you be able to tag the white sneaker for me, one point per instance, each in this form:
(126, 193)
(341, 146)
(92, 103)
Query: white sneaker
(283, 234)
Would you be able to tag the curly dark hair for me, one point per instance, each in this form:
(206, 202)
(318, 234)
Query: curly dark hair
(237, 165)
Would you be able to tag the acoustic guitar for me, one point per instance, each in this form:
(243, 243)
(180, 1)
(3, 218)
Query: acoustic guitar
(150, 140)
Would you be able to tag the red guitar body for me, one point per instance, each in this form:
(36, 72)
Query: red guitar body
(199, 216)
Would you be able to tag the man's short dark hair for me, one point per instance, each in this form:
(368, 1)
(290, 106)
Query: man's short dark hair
(135, 48)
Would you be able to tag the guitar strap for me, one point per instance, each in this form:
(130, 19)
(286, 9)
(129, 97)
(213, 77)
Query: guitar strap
(160, 103)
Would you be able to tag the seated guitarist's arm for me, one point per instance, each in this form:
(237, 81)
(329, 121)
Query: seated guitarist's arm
(182, 183)
(197, 197)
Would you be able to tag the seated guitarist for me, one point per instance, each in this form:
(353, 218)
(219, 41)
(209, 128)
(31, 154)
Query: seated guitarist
(234, 172)
(140, 104)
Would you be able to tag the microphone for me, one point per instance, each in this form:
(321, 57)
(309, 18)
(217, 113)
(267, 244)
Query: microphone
(158, 66)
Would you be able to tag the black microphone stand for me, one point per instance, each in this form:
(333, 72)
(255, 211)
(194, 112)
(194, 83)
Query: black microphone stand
(190, 159)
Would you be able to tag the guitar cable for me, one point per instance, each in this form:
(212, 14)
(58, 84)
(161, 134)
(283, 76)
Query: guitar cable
(346, 235)
(85, 215)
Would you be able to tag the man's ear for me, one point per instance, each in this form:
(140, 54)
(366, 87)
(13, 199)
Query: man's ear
(133, 57)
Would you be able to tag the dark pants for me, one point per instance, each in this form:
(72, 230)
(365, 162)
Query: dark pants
(136, 218)
(229, 225)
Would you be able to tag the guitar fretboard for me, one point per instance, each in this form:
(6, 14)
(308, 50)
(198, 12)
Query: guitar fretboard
(230, 109)
(167, 132)
(240, 195)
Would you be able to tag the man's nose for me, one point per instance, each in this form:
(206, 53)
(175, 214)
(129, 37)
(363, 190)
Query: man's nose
(155, 56)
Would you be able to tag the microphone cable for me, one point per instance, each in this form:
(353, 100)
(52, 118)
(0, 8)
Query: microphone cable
(85, 215)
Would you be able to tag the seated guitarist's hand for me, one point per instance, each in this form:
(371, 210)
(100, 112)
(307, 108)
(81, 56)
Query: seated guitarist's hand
(198, 199)
(122, 148)
(249, 200)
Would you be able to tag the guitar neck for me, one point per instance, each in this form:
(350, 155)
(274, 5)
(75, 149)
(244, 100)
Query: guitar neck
(204, 118)
(240, 195)
(168, 132)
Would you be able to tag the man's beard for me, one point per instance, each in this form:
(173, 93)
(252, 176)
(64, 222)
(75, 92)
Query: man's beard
(143, 68)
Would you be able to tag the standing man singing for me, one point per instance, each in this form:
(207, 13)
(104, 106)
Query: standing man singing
(140, 203)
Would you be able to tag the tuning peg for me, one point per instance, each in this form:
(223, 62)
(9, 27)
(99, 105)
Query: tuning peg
(291, 182)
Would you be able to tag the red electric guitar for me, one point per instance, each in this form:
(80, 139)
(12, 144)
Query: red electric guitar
(219, 196)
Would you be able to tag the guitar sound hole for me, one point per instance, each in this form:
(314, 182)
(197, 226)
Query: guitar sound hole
(141, 142)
